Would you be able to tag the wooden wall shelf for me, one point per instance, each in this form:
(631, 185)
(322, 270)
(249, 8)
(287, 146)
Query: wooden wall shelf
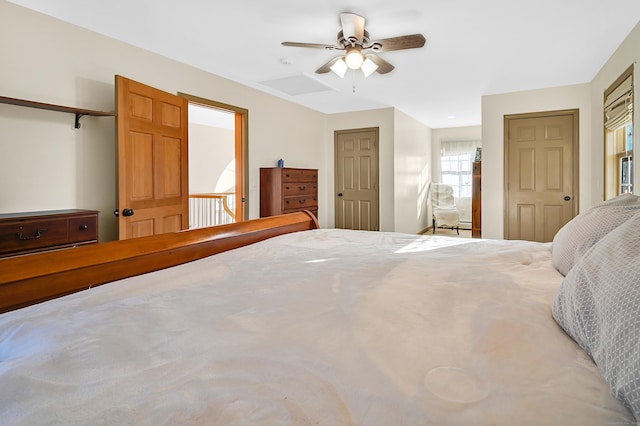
(79, 112)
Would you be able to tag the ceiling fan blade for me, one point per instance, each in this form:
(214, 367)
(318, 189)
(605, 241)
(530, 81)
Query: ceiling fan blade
(352, 27)
(383, 66)
(312, 45)
(327, 67)
(411, 41)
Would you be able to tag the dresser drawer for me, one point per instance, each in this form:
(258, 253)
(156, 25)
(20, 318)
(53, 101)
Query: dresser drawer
(22, 233)
(83, 229)
(299, 175)
(30, 234)
(300, 203)
(299, 188)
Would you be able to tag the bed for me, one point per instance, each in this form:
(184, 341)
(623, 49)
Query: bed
(274, 321)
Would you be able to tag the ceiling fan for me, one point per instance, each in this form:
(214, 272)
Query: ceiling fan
(360, 51)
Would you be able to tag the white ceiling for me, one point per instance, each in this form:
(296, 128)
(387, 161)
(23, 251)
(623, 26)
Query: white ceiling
(474, 47)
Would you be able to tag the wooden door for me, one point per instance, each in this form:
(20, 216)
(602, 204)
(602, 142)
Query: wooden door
(541, 173)
(356, 177)
(153, 193)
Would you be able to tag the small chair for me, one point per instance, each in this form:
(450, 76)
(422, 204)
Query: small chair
(445, 212)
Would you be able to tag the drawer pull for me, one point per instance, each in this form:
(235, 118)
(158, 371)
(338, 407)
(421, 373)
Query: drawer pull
(35, 236)
(302, 188)
(84, 227)
(302, 201)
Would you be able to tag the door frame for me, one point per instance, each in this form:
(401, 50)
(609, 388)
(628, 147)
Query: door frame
(336, 133)
(241, 135)
(575, 161)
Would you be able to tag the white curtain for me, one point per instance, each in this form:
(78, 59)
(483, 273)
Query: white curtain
(458, 147)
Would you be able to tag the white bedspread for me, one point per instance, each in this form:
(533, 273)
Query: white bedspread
(322, 327)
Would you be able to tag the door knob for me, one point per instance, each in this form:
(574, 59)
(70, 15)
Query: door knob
(125, 212)
(339, 194)
(567, 198)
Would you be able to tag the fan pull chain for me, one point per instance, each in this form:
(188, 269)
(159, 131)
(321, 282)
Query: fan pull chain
(353, 74)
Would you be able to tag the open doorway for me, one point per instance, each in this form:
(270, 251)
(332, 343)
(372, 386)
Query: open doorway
(217, 163)
(212, 167)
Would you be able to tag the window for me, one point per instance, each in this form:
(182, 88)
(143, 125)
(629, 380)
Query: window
(618, 116)
(456, 171)
(456, 168)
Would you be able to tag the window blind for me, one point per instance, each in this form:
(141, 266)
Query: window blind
(618, 105)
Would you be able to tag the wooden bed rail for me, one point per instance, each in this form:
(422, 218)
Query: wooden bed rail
(34, 278)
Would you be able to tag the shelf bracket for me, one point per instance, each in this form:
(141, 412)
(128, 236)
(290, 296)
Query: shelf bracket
(79, 115)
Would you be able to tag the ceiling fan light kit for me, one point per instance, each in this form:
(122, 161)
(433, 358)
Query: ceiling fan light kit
(368, 67)
(339, 67)
(354, 41)
(354, 58)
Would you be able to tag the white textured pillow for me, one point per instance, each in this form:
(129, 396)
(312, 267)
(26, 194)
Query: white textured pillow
(583, 231)
(598, 305)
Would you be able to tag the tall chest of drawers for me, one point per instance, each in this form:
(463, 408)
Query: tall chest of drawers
(22, 233)
(287, 190)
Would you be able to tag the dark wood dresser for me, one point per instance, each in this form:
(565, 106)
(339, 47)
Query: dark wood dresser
(22, 233)
(476, 200)
(288, 190)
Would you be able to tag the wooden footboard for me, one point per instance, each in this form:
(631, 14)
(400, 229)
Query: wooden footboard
(34, 278)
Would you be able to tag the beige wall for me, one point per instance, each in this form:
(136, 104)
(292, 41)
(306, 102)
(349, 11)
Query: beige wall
(628, 53)
(494, 108)
(404, 150)
(588, 98)
(412, 174)
(211, 149)
(384, 120)
(47, 164)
